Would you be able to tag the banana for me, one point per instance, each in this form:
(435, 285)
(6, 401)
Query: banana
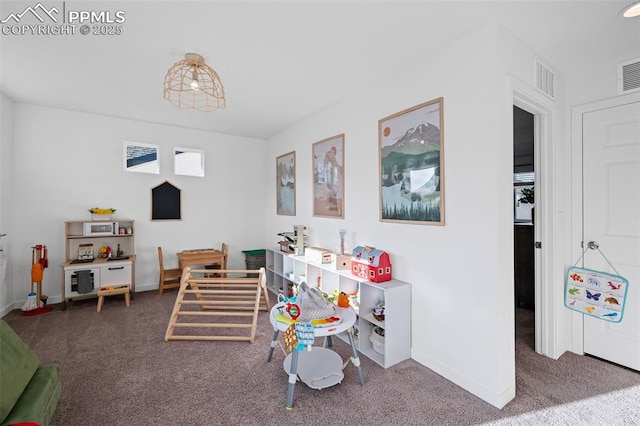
(100, 211)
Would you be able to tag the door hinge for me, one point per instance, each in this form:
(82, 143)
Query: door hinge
(538, 244)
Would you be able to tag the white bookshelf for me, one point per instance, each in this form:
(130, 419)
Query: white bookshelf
(283, 270)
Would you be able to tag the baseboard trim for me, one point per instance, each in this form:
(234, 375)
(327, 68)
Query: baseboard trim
(54, 300)
(477, 389)
(146, 287)
(4, 311)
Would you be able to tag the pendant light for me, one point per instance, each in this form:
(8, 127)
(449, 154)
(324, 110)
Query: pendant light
(632, 10)
(192, 84)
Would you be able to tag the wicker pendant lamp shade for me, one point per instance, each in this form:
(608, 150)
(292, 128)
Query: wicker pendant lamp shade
(192, 84)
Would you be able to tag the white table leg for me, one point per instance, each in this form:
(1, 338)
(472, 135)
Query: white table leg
(293, 376)
(355, 359)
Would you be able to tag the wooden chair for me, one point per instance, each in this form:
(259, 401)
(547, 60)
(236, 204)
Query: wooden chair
(169, 278)
(224, 249)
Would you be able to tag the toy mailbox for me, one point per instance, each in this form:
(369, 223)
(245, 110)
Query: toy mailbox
(371, 264)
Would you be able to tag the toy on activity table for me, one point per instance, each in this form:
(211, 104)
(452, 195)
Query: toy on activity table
(304, 312)
(343, 300)
(288, 307)
(293, 310)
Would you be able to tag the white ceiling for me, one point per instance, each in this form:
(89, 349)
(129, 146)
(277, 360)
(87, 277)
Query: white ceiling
(279, 61)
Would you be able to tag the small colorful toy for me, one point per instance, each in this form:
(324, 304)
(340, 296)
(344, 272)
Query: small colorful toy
(293, 310)
(306, 335)
(325, 322)
(343, 300)
(290, 339)
(371, 264)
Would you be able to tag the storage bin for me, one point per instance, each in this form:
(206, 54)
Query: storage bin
(255, 259)
(377, 340)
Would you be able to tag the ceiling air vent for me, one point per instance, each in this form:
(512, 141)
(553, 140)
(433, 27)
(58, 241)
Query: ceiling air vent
(545, 80)
(629, 77)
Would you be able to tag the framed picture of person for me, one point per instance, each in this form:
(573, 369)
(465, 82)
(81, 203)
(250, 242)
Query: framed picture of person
(328, 177)
(286, 184)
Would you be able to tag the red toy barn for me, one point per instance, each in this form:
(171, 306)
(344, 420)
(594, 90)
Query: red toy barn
(371, 264)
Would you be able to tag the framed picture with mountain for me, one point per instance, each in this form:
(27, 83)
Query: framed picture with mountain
(411, 153)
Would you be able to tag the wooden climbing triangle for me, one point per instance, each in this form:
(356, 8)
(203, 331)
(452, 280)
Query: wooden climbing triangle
(218, 306)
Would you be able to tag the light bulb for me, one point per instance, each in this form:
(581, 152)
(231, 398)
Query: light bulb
(632, 10)
(194, 80)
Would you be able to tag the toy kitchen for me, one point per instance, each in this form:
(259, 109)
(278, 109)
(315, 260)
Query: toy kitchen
(98, 254)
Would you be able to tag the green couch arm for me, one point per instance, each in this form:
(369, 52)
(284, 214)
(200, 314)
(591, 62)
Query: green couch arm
(39, 400)
(28, 393)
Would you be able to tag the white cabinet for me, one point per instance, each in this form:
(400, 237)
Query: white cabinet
(102, 272)
(71, 278)
(114, 273)
(284, 270)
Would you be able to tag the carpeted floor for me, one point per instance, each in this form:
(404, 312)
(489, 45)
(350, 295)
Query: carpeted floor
(118, 370)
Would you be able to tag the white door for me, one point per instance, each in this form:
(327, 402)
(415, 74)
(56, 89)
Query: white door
(611, 211)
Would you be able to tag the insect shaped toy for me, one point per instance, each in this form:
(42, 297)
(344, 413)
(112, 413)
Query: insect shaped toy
(594, 296)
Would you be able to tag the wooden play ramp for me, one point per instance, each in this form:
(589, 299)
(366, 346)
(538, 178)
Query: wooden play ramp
(220, 305)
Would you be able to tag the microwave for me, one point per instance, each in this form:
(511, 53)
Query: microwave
(96, 229)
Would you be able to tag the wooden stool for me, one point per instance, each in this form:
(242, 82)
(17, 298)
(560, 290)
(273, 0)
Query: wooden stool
(111, 291)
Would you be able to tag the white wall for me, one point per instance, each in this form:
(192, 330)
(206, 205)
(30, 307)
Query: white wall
(6, 181)
(67, 162)
(461, 273)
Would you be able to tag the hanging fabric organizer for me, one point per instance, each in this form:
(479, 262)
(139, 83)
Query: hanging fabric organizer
(595, 293)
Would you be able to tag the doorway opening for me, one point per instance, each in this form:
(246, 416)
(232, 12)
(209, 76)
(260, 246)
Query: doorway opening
(524, 188)
(548, 269)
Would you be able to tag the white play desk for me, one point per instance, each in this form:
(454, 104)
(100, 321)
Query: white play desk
(315, 365)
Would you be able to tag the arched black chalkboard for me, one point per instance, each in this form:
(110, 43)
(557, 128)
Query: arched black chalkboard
(165, 202)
